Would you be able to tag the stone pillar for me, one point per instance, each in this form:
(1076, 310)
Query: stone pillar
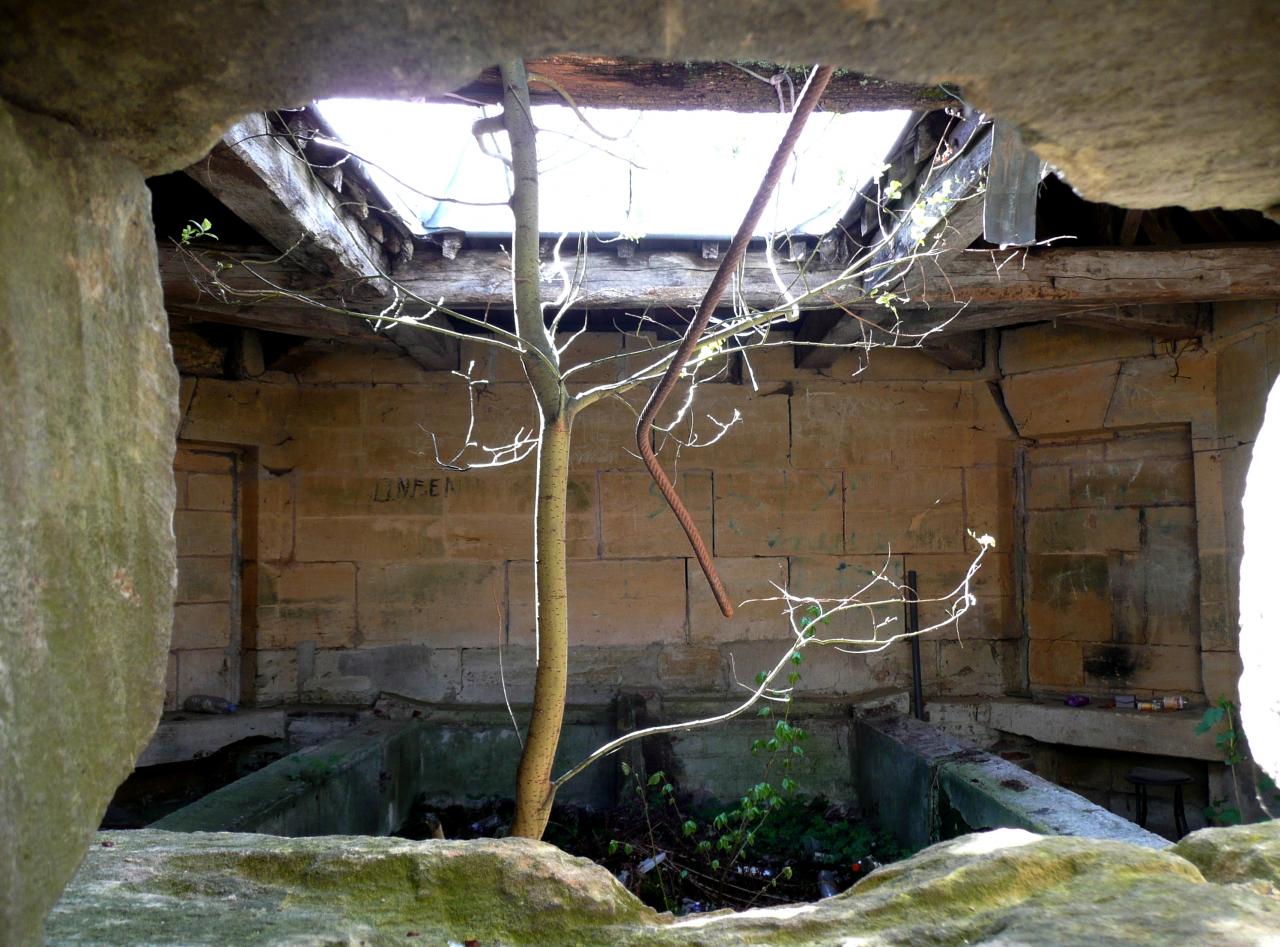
(88, 410)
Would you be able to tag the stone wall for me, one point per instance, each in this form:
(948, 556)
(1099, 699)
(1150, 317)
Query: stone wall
(378, 571)
(1249, 343)
(1132, 480)
(1108, 466)
(1115, 508)
(205, 649)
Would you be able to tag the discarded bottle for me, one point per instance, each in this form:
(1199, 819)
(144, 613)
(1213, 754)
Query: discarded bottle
(208, 704)
(827, 885)
(1176, 702)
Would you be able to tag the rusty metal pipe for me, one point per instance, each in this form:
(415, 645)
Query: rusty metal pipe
(719, 283)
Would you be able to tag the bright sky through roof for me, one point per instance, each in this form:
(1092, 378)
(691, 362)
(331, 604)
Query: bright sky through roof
(688, 174)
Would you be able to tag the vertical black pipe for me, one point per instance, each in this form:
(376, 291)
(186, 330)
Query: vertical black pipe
(913, 626)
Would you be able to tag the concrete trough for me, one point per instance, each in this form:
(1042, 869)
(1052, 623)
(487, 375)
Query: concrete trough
(926, 787)
(920, 783)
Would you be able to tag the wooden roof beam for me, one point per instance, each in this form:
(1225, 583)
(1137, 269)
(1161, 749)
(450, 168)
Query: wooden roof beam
(270, 187)
(956, 191)
(608, 82)
(1061, 278)
(431, 351)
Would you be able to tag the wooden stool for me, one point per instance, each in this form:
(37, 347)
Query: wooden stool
(1143, 777)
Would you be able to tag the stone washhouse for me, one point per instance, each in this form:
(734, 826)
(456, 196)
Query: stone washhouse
(210, 491)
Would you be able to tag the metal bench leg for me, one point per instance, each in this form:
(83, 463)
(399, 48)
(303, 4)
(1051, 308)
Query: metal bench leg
(1179, 813)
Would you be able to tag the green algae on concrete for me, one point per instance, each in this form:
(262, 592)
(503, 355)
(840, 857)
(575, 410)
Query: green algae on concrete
(1002, 887)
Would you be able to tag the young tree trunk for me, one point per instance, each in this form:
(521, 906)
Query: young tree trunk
(534, 793)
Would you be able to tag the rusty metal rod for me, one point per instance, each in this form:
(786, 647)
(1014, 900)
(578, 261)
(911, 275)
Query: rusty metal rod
(719, 283)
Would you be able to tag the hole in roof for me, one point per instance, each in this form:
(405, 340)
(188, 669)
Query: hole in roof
(668, 173)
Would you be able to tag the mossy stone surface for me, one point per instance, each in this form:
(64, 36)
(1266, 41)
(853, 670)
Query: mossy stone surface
(1239, 854)
(222, 888)
(1002, 887)
(88, 410)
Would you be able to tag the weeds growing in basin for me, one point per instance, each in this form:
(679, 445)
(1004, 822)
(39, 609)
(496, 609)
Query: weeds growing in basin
(806, 842)
(315, 770)
(767, 847)
(685, 854)
(770, 845)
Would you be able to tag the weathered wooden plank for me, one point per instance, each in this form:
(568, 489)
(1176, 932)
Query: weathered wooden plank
(1129, 227)
(828, 328)
(956, 349)
(297, 320)
(434, 352)
(1013, 178)
(606, 82)
(270, 187)
(431, 351)
(952, 217)
(1163, 320)
(1103, 275)
(1047, 279)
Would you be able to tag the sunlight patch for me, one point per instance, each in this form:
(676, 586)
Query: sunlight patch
(655, 173)
(985, 843)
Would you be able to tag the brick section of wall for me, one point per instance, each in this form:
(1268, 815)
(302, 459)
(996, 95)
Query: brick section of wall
(205, 612)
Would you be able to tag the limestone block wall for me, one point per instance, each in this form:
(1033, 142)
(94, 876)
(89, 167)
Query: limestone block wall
(1130, 479)
(204, 651)
(1108, 466)
(378, 571)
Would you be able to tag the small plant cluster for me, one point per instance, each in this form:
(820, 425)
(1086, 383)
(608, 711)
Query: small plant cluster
(1224, 715)
(194, 230)
(770, 846)
(689, 857)
(315, 770)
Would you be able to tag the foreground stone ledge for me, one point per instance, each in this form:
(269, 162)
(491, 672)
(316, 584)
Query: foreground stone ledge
(1240, 854)
(1007, 886)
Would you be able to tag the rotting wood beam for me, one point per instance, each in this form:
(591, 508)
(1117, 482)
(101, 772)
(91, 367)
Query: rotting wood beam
(998, 289)
(271, 188)
(1168, 321)
(297, 320)
(1014, 173)
(835, 331)
(429, 350)
(956, 191)
(608, 82)
(1100, 276)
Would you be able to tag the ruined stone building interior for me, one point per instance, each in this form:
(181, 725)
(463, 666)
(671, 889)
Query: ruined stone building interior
(262, 578)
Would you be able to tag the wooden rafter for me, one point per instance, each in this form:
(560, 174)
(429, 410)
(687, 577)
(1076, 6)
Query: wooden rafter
(1151, 290)
(270, 187)
(1063, 278)
(261, 178)
(605, 82)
